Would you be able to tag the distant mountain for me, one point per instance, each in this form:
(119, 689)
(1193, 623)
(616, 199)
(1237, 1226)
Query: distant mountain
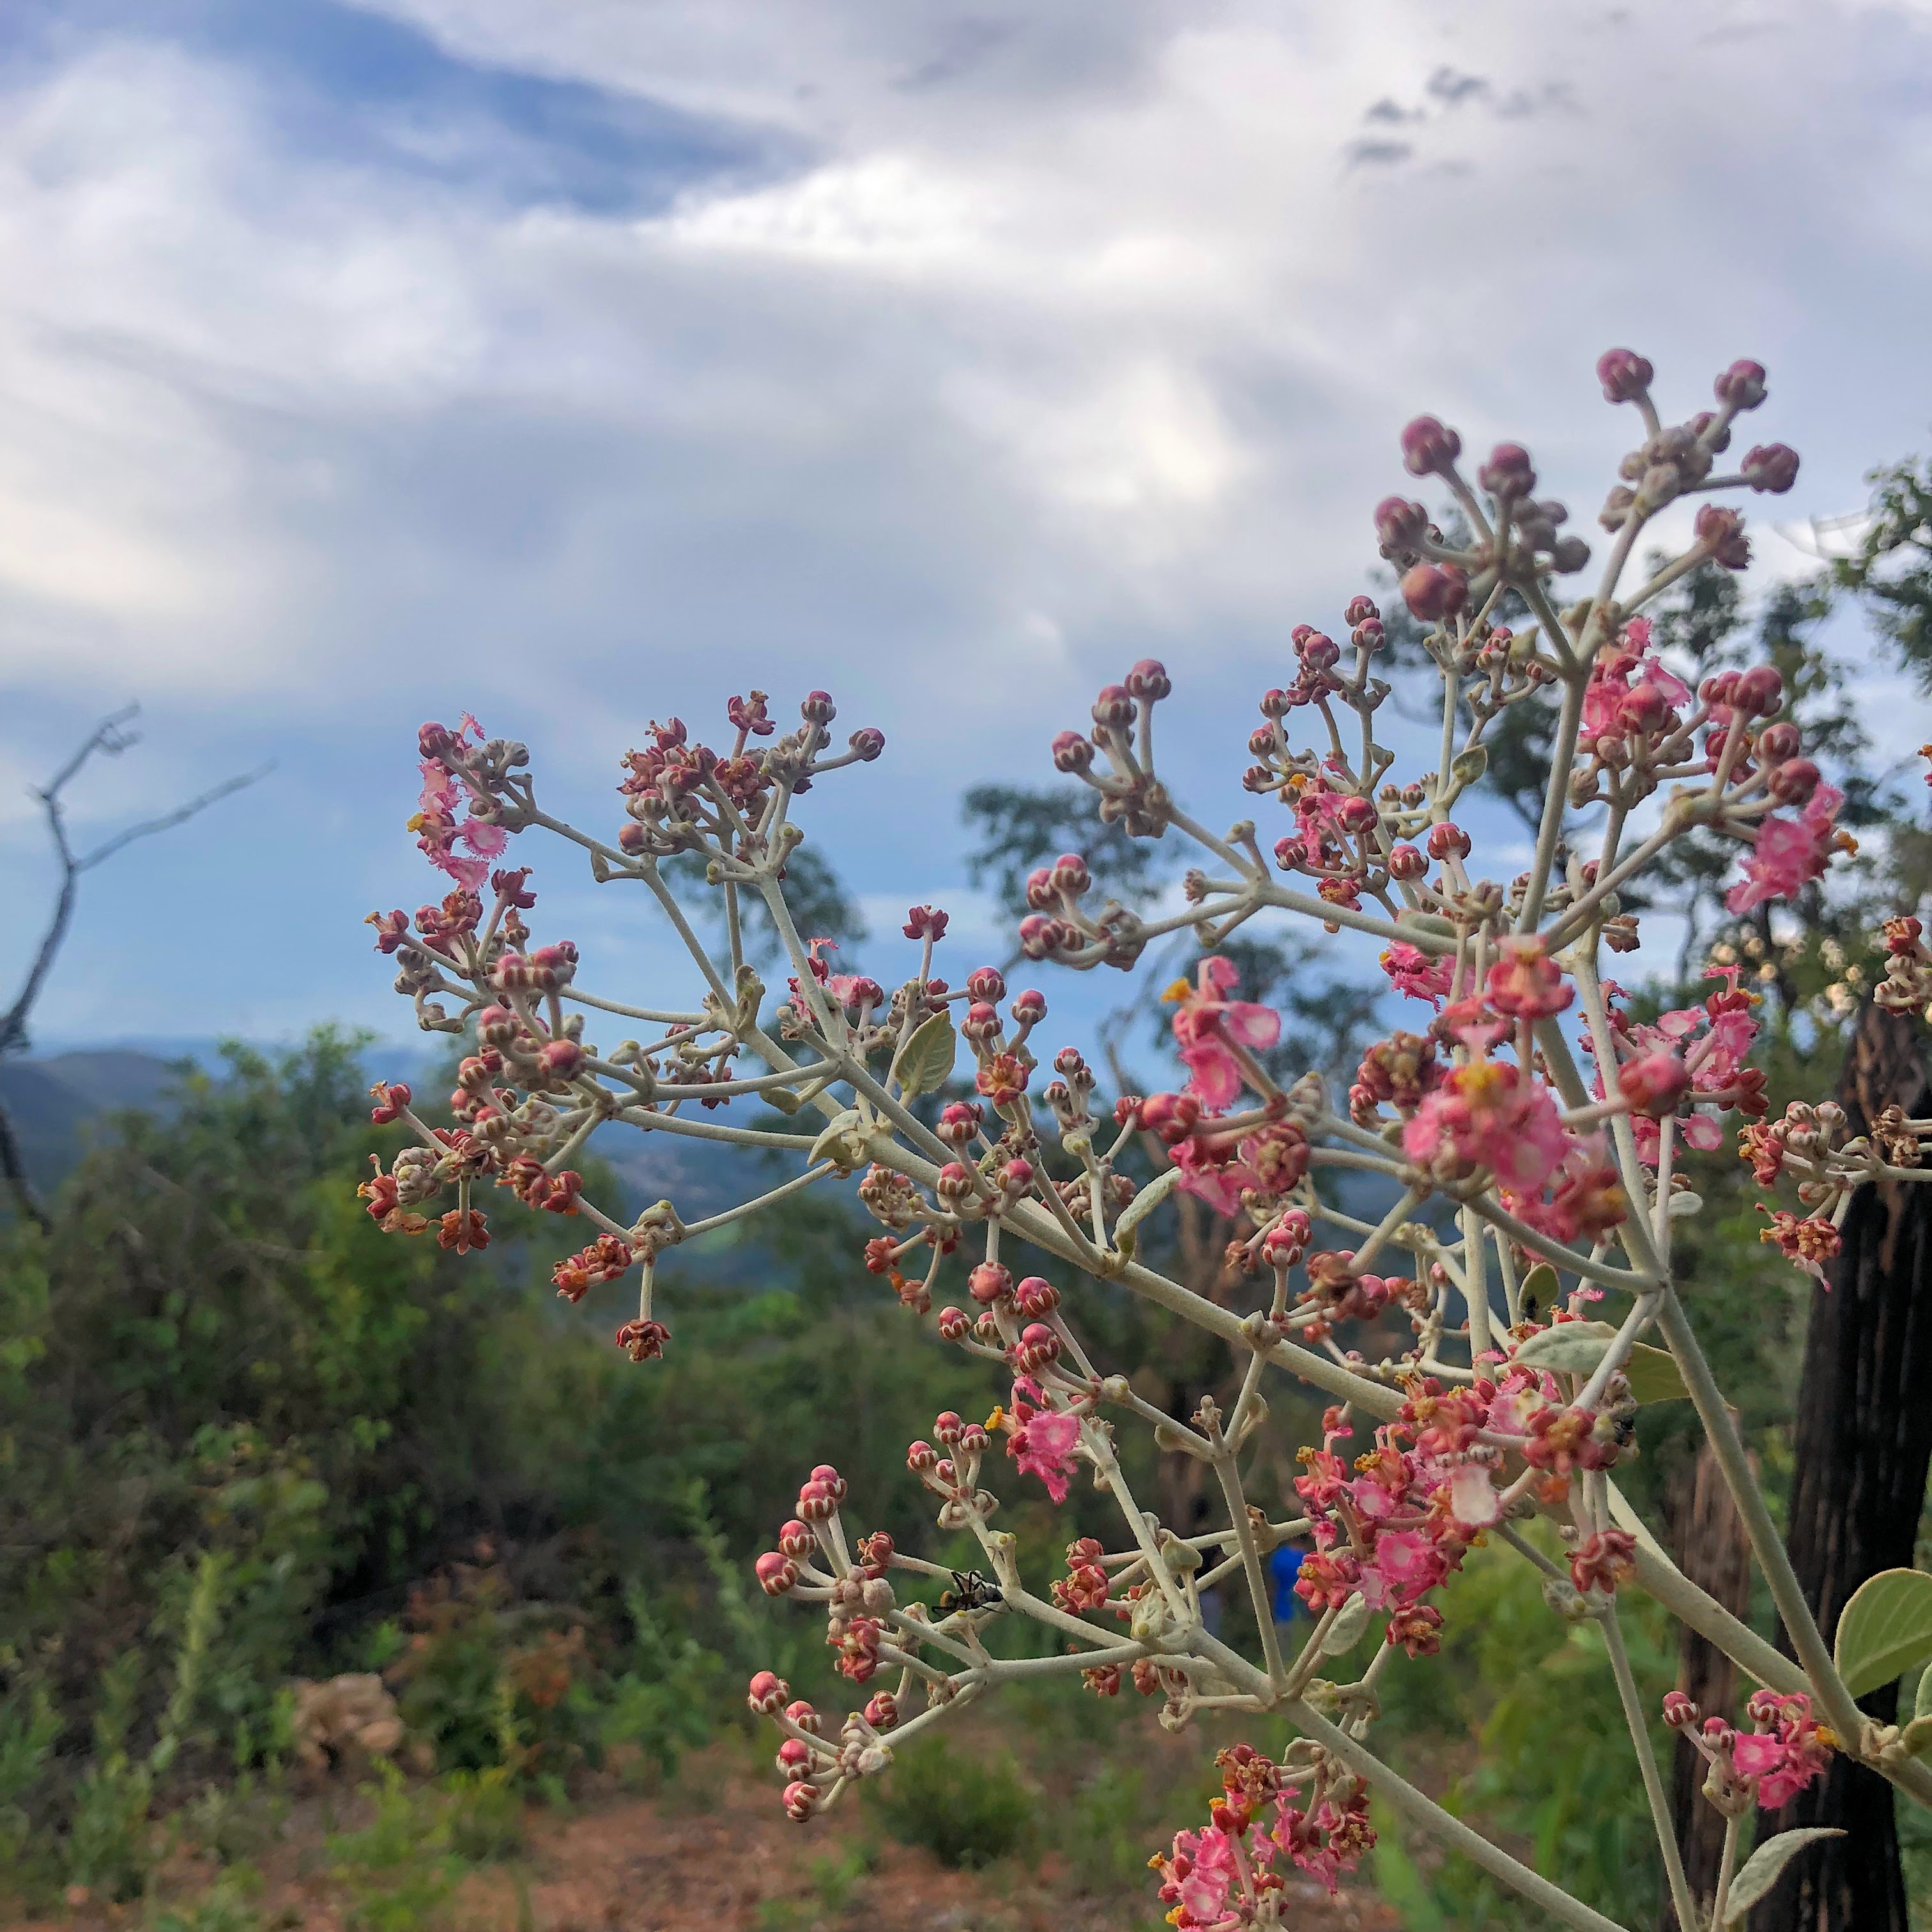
(51, 1099)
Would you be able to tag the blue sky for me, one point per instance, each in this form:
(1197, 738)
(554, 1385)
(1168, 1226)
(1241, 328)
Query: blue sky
(579, 363)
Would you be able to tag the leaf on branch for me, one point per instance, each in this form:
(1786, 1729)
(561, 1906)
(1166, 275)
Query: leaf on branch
(1577, 1347)
(1141, 1206)
(842, 1141)
(1654, 1375)
(1885, 1630)
(1468, 766)
(1538, 1294)
(1766, 1866)
(1346, 1632)
(924, 1063)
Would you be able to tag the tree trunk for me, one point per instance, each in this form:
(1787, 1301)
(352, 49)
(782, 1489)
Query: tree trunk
(1862, 1443)
(1708, 1539)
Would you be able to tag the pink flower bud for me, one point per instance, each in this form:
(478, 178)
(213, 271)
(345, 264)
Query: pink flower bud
(815, 1504)
(1721, 531)
(801, 1801)
(1679, 1712)
(1171, 1117)
(1071, 753)
(1038, 1345)
(1777, 742)
(959, 1121)
(818, 708)
(1406, 862)
(1741, 386)
(1508, 471)
(776, 1572)
(1794, 781)
(1654, 1084)
(1035, 1297)
(921, 1456)
(1400, 524)
(1770, 467)
(1760, 691)
(1029, 1007)
(796, 1540)
(982, 1019)
(834, 1483)
(1041, 937)
(802, 1715)
(1448, 841)
(867, 742)
(1320, 652)
(947, 1426)
(766, 1694)
(954, 1324)
(988, 1283)
(1149, 679)
(1624, 374)
(1070, 874)
(1429, 449)
(1114, 707)
(986, 985)
(1434, 590)
(1361, 611)
(882, 1712)
(562, 1057)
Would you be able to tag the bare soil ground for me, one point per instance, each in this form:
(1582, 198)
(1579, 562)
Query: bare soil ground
(717, 1855)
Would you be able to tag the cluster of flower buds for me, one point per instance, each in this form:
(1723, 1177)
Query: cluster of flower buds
(1907, 987)
(1768, 1765)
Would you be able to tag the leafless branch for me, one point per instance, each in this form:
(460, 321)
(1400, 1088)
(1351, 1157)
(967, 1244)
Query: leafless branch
(109, 739)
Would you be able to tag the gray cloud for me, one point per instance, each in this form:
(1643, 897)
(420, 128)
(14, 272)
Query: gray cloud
(1377, 153)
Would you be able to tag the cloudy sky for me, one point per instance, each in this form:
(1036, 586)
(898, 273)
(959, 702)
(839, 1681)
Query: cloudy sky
(583, 361)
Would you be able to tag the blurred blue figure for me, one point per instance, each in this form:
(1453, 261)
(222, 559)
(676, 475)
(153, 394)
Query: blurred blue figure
(1284, 1566)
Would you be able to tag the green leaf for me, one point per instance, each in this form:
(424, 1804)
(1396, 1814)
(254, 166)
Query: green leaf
(1885, 1629)
(1346, 1632)
(1766, 1866)
(1921, 1705)
(1470, 765)
(1654, 1374)
(841, 1141)
(1539, 1291)
(1141, 1206)
(1575, 1347)
(924, 1063)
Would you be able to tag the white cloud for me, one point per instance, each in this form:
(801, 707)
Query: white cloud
(1066, 335)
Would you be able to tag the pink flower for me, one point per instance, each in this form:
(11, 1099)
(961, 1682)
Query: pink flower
(1487, 1115)
(1205, 1024)
(1790, 852)
(1473, 1500)
(1757, 1752)
(1043, 1446)
(1630, 692)
(1411, 971)
(1525, 983)
(1405, 1564)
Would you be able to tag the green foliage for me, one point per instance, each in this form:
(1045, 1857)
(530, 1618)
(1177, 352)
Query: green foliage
(1891, 570)
(399, 1872)
(1527, 1702)
(966, 1811)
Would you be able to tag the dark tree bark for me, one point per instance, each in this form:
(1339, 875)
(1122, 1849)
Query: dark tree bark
(1708, 1539)
(1862, 1443)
